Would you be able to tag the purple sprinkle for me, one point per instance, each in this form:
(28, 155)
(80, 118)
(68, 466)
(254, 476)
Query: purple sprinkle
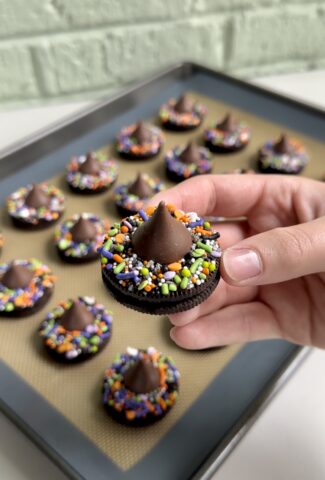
(106, 254)
(143, 215)
(196, 224)
(91, 328)
(127, 224)
(125, 276)
(216, 253)
(108, 266)
(169, 275)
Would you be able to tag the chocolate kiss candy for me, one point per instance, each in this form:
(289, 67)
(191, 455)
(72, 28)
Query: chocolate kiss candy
(162, 238)
(191, 154)
(140, 187)
(83, 230)
(184, 105)
(282, 145)
(142, 377)
(77, 317)
(37, 198)
(227, 124)
(91, 165)
(142, 133)
(17, 276)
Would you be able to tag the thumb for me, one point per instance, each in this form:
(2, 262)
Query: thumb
(276, 255)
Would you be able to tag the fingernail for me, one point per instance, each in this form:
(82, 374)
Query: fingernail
(171, 333)
(242, 263)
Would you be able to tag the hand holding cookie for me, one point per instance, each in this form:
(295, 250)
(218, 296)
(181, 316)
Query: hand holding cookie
(273, 264)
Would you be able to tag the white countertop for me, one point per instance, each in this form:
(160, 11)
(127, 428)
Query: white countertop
(287, 442)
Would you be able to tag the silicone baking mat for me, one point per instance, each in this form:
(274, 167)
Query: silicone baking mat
(74, 391)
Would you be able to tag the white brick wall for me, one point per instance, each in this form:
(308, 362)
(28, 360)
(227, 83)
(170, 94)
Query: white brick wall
(50, 48)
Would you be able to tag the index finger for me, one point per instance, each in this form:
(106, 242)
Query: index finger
(223, 195)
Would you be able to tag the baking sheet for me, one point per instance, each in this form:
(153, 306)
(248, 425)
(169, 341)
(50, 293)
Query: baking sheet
(62, 385)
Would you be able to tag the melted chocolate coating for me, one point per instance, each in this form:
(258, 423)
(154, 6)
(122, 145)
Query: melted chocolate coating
(162, 238)
(140, 187)
(37, 198)
(77, 317)
(91, 165)
(142, 377)
(83, 230)
(17, 276)
(184, 105)
(191, 154)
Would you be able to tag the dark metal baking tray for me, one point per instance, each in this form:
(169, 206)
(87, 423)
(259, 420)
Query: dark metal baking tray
(208, 431)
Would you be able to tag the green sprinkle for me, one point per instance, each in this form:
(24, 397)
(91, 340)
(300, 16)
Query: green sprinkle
(206, 225)
(144, 271)
(205, 264)
(9, 307)
(198, 252)
(195, 265)
(185, 272)
(212, 267)
(119, 248)
(110, 403)
(94, 348)
(177, 279)
(172, 287)
(202, 276)
(63, 244)
(184, 283)
(143, 284)
(112, 232)
(95, 340)
(104, 260)
(119, 267)
(205, 247)
(107, 245)
(164, 289)
(116, 225)
(104, 328)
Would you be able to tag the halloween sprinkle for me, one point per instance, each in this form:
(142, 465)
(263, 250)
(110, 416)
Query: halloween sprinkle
(147, 277)
(72, 344)
(105, 177)
(168, 115)
(20, 298)
(17, 207)
(63, 238)
(140, 406)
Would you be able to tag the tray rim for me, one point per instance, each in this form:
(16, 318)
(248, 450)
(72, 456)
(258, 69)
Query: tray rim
(181, 70)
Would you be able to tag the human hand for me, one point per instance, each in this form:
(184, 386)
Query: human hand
(272, 267)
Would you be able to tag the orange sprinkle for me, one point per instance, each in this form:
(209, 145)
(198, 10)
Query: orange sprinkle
(124, 229)
(175, 267)
(150, 210)
(193, 279)
(178, 214)
(170, 207)
(119, 238)
(162, 403)
(64, 347)
(205, 271)
(160, 275)
(130, 415)
(147, 288)
(116, 385)
(117, 258)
